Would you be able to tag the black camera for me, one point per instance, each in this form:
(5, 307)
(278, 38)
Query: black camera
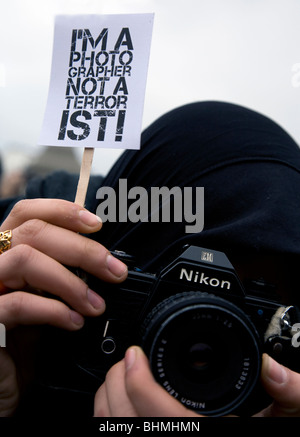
(203, 331)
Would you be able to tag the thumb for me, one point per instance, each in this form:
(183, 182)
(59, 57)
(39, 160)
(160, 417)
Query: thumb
(147, 396)
(283, 385)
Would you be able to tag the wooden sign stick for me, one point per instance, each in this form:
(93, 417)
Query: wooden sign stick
(84, 177)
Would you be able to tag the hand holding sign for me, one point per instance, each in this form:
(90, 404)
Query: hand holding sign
(97, 86)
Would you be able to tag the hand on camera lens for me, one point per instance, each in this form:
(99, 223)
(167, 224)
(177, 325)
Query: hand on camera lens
(130, 390)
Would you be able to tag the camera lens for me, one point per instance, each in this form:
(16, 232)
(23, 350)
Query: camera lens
(204, 351)
(200, 356)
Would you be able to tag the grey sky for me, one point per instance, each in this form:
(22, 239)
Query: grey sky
(241, 51)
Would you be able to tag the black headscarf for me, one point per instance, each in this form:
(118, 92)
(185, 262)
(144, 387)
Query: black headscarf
(249, 168)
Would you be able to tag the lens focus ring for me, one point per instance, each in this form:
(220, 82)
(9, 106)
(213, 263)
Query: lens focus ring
(204, 350)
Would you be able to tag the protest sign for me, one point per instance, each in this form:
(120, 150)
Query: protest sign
(98, 80)
(97, 85)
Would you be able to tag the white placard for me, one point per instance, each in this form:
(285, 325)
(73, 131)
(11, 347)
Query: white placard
(98, 80)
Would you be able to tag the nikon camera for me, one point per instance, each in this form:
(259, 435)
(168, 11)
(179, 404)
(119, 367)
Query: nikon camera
(203, 331)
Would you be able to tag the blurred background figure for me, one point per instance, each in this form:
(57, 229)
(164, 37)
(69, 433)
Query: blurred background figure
(21, 167)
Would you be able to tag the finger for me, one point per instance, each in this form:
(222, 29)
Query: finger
(115, 399)
(23, 265)
(56, 211)
(9, 393)
(70, 248)
(284, 387)
(146, 395)
(20, 308)
(101, 408)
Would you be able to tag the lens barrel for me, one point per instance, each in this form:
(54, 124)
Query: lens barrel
(204, 351)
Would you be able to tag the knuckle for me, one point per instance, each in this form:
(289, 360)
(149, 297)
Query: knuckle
(31, 229)
(20, 208)
(93, 249)
(94, 258)
(87, 246)
(21, 253)
(70, 211)
(16, 304)
(67, 211)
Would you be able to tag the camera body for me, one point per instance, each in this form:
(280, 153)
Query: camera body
(203, 332)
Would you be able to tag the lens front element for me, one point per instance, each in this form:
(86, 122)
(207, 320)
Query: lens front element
(204, 351)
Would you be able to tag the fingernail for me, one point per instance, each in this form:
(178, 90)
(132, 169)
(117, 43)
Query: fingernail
(89, 218)
(116, 267)
(130, 357)
(276, 372)
(76, 318)
(95, 300)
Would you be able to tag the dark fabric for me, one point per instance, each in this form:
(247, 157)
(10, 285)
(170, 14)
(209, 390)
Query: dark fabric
(248, 165)
(61, 185)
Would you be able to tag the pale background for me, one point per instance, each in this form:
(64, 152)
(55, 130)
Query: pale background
(241, 51)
